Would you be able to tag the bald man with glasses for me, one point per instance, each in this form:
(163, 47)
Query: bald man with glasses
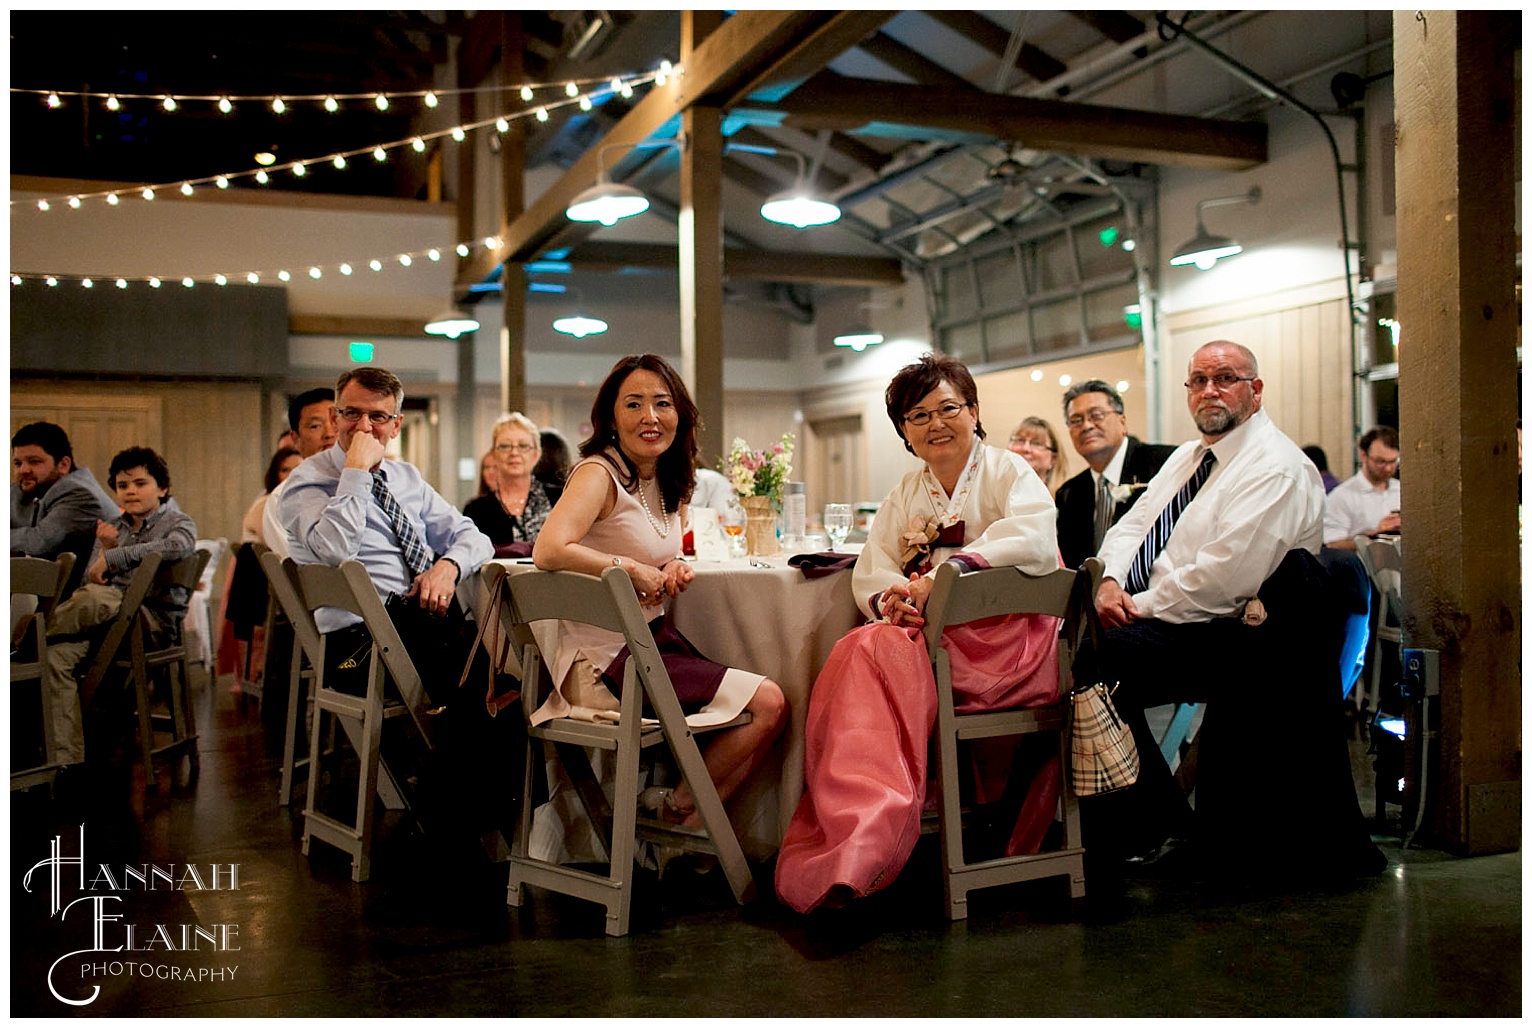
(1119, 469)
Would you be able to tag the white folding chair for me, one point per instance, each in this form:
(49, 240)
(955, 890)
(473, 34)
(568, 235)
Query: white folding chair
(1380, 558)
(198, 608)
(960, 598)
(303, 667)
(609, 603)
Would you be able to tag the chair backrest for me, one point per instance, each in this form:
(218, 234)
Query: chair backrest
(185, 572)
(960, 598)
(607, 602)
(282, 577)
(45, 579)
(215, 549)
(350, 588)
(1385, 567)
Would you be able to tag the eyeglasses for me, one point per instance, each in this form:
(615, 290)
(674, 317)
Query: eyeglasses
(1223, 380)
(1031, 444)
(946, 412)
(514, 448)
(1382, 462)
(1096, 416)
(377, 417)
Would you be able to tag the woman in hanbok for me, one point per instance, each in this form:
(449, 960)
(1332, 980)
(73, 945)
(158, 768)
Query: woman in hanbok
(873, 706)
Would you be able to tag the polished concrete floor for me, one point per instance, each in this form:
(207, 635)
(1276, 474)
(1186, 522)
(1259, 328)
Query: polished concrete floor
(430, 933)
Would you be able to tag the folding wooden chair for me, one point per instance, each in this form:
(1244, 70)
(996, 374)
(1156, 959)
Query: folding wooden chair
(44, 580)
(609, 603)
(956, 599)
(1382, 562)
(131, 645)
(304, 664)
(349, 588)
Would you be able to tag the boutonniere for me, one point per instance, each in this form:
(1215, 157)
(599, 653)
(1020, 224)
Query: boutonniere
(917, 538)
(1123, 492)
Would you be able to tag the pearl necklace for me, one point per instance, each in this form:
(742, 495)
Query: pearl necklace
(664, 516)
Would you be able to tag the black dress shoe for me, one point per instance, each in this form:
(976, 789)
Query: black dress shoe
(1172, 860)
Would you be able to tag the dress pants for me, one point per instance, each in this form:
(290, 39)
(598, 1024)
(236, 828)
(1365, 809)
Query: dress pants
(69, 638)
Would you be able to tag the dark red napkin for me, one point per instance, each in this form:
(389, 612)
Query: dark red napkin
(818, 565)
(513, 550)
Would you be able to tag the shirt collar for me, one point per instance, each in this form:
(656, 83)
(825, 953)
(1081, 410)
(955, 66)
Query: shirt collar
(1113, 470)
(1236, 439)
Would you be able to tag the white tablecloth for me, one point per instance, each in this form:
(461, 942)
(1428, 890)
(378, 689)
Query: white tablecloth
(778, 623)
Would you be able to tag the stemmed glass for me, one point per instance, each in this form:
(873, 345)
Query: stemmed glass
(732, 517)
(837, 523)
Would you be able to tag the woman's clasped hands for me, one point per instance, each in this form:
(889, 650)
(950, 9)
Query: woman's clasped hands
(904, 603)
(651, 583)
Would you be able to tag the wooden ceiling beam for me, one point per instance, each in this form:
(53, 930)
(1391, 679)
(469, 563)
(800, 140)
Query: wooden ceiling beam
(817, 49)
(907, 62)
(755, 265)
(1037, 63)
(1118, 26)
(1115, 133)
(726, 62)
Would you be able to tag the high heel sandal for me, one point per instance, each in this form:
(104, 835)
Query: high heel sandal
(660, 802)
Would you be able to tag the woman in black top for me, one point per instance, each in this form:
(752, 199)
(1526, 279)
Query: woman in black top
(514, 511)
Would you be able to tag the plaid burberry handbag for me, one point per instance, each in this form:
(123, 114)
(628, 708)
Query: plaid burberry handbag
(1102, 754)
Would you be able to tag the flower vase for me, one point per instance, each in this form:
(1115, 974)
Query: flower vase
(760, 526)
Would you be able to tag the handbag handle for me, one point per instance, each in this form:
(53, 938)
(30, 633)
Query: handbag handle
(1084, 601)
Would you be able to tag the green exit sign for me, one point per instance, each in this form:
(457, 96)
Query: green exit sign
(361, 353)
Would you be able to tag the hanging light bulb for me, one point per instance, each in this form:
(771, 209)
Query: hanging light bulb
(262, 177)
(616, 84)
(570, 89)
(74, 203)
(526, 94)
(253, 278)
(501, 125)
(53, 101)
(627, 91)
(462, 249)
(492, 242)
(452, 323)
(186, 189)
(585, 103)
(299, 170)
(220, 280)
(406, 260)
(15, 280)
(542, 114)
(579, 326)
(419, 145)
(222, 182)
(87, 283)
(122, 283)
(339, 161)
(187, 282)
(42, 205)
(278, 106)
(154, 283)
(148, 193)
(284, 276)
(330, 104)
(315, 273)
(430, 99)
(434, 254)
(51, 281)
(111, 102)
(345, 269)
(379, 155)
(111, 199)
(457, 133)
(381, 101)
(224, 106)
(375, 264)
(169, 103)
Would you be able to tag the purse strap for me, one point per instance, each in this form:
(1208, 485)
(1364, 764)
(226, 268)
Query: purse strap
(490, 613)
(1084, 601)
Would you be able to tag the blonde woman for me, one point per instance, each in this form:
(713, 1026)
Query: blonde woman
(515, 509)
(1035, 442)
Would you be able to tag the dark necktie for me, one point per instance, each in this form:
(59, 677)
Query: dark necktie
(1154, 542)
(417, 559)
(1105, 508)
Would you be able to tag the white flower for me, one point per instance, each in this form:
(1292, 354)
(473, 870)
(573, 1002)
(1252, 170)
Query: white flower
(1122, 492)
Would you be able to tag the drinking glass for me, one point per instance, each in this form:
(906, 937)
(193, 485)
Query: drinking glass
(732, 517)
(837, 523)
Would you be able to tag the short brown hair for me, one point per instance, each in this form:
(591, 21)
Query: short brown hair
(374, 380)
(916, 380)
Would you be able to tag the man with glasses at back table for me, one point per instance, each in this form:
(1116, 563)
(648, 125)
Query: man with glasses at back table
(1120, 467)
(1235, 513)
(1368, 502)
(348, 503)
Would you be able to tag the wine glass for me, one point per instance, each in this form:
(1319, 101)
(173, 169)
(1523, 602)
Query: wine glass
(837, 523)
(732, 517)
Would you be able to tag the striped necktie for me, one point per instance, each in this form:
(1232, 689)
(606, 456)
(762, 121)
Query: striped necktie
(1105, 508)
(417, 559)
(1154, 542)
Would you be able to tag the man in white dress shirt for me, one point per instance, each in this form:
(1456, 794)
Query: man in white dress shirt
(1367, 503)
(1173, 614)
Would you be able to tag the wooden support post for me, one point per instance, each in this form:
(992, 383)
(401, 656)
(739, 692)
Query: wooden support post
(466, 400)
(701, 251)
(513, 278)
(1454, 88)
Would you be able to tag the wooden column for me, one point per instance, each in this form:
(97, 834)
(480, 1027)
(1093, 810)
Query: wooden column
(466, 400)
(701, 251)
(1455, 100)
(513, 280)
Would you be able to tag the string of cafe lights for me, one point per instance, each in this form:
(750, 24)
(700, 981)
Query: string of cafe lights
(430, 255)
(622, 85)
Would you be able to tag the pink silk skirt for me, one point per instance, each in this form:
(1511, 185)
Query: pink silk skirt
(870, 718)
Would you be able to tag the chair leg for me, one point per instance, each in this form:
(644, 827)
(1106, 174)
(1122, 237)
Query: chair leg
(290, 733)
(949, 807)
(624, 819)
(522, 843)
